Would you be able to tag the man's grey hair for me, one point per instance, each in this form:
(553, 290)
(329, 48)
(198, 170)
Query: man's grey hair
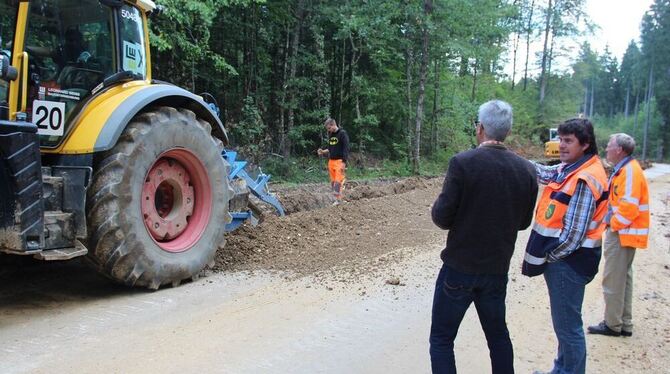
(625, 141)
(496, 119)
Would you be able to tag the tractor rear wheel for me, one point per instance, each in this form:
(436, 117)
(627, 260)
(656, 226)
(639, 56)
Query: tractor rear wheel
(158, 201)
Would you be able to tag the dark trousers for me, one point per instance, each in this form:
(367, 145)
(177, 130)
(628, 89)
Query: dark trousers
(454, 292)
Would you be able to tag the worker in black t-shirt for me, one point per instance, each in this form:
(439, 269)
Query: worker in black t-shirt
(337, 153)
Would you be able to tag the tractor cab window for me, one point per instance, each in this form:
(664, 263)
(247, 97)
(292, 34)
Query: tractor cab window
(7, 20)
(70, 51)
(133, 56)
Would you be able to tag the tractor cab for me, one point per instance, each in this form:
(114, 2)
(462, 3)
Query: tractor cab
(65, 51)
(99, 160)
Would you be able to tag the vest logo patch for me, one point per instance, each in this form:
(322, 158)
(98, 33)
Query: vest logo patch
(550, 211)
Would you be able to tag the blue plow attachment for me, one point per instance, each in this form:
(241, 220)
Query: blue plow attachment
(258, 187)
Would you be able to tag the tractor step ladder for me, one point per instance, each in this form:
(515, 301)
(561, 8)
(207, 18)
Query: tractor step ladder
(62, 253)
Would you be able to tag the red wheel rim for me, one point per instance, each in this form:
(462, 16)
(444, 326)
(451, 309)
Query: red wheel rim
(176, 200)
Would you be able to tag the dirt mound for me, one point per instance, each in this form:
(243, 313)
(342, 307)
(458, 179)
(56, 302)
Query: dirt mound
(315, 196)
(373, 221)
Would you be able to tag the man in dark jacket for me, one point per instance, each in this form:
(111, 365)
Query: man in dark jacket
(488, 196)
(337, 153)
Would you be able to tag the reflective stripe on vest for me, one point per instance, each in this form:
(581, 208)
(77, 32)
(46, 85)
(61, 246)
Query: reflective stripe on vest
(534, 260)
(556, 232)
(629, 231)
(641, 208)
(622, 219)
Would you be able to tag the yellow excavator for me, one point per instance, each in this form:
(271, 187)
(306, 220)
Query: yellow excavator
(99, 159)
(551, 152)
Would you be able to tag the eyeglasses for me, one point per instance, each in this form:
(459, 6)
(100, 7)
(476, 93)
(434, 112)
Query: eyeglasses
(474, 126)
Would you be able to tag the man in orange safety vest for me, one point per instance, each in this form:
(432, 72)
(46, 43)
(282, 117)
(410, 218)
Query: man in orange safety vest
(565, 243)
(628, 228)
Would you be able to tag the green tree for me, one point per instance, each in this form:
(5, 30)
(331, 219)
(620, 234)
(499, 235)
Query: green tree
(656, 54)
(630, 77)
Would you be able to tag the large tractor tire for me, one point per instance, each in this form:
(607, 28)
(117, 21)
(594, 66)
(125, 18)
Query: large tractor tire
(158, 201)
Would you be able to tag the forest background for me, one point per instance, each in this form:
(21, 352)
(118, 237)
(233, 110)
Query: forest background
(405, 78)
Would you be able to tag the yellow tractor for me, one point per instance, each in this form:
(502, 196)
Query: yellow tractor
(551, 151)
(98, 159)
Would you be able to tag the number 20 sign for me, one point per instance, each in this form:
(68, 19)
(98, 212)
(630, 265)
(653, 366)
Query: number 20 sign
(49, 117)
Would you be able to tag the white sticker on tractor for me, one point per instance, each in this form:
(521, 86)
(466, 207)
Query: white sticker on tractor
(133, 57)
(49, 117)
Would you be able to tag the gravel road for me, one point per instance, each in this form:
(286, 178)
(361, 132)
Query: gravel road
(326, 289)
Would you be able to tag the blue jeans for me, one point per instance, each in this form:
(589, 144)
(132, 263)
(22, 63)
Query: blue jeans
(566, 294)
(454, 292)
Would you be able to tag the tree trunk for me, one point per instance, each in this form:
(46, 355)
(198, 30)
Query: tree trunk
(529, 30)
(361, 147)
(192, 76)
(248, 51)
(352, 89)
(436, 92)
(427, 7)
(408, 75)
(344, 52)
(647, 120)
(627, 99)
(334, 78)
(464, 65)
(474, 82)
(551, 52)
(295, 41)
(245, 56)
(593, 94)
(252, 65)
(636, 109)
(545, 54)
(585, 109)
(515, 44)
(516, 47)
(284, 93)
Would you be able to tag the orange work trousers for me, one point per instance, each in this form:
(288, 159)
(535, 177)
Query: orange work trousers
(337, 177)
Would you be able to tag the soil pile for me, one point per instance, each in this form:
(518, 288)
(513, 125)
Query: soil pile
(377, 216)
(313, 196)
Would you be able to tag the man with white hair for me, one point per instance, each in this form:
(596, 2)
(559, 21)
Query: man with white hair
(488, 196)
(627, 229)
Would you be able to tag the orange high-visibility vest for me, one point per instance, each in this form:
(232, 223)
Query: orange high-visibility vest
(556, 196)
(551, 209)
(629, 201)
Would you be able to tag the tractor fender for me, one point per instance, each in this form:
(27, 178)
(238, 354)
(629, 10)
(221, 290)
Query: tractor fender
(101, 121)
(156, 94)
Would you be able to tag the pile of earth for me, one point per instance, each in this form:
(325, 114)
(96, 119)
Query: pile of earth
(307, 197)
(316, 236)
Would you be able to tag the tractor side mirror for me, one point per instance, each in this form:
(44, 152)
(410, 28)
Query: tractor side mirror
(157, 12)
(7, 72)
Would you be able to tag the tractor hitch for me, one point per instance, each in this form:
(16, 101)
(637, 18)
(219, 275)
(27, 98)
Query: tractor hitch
(258, 187)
